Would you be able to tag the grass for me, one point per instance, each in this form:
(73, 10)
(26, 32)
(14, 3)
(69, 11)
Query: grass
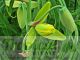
(11, 35)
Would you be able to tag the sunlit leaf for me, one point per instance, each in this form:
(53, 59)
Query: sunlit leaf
(42, 11)
(16, 4)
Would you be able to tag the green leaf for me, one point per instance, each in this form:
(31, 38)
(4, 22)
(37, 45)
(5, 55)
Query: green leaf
(16, 4)
(7, 2)
(30, 37)
(42, 11)
(56, 35)
(22, 15)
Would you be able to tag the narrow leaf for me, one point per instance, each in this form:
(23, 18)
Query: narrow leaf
(30, 37)
(42, 11)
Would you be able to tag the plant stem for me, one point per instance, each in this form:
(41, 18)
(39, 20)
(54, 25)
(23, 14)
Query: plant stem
(29, 11)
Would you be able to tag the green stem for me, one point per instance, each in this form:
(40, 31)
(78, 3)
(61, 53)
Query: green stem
(23, 45)
(76, 34)
(75, 41)
(29, 11)
(38, 4)
(29, 20)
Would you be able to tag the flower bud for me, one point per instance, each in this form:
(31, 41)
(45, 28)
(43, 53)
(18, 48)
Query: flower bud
(44, 29)
(67, 19)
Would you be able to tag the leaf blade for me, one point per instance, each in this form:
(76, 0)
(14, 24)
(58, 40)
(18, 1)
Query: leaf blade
(30, 37)
(22, 16)
(42, 11)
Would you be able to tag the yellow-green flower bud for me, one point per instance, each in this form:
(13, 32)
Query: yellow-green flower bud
(44, 29)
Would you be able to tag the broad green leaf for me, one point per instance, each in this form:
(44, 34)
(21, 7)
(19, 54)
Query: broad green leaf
(22, 15)
(30, 37)
(56, 35)
(42, 11)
